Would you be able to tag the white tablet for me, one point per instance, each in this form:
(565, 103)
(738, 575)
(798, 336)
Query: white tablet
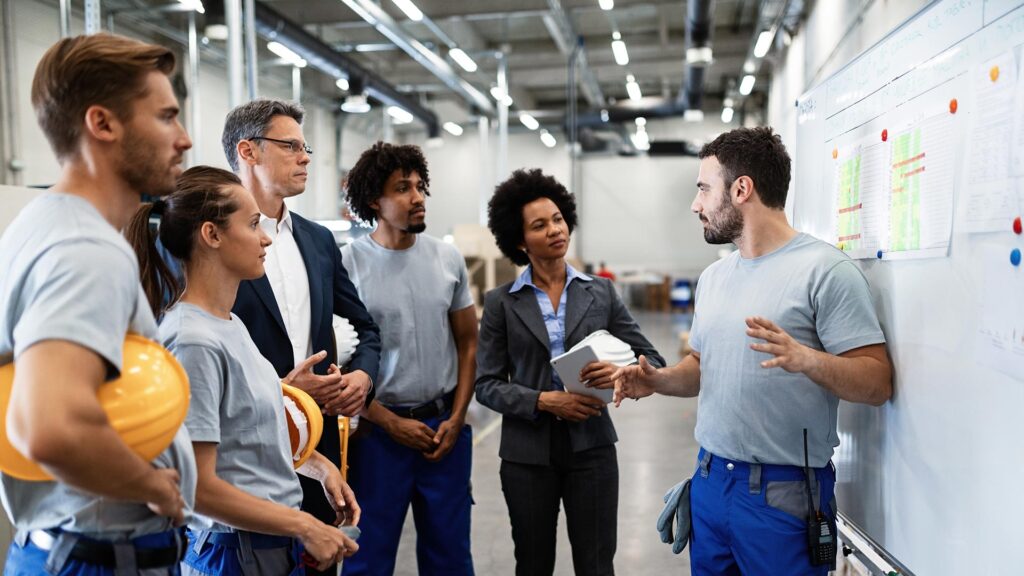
(569, 366)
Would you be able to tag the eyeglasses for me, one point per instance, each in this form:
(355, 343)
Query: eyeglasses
(294, 146)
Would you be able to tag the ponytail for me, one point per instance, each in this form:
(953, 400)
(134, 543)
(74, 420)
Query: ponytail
(158, 281)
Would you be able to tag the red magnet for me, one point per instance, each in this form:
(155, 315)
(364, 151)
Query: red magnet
(952, 106)
(1017, 229)
(885, 135)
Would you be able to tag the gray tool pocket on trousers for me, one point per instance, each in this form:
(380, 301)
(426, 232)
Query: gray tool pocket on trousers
(790, 496)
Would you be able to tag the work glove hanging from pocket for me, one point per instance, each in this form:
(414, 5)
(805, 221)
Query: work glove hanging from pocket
(677, 510)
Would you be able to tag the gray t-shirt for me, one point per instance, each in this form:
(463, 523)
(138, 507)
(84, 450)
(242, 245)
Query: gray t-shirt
(410, 293)
(68, 275)
(236, 402)
(748, 413)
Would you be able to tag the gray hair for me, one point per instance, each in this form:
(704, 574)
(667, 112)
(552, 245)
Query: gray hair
(251, 120)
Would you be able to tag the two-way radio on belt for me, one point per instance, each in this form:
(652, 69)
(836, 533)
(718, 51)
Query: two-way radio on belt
(821, 535)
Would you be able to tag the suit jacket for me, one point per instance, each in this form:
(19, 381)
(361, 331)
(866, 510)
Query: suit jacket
(513, 364)
(330, 292)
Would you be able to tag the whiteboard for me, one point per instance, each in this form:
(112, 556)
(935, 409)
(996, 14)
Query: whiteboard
(936, 476)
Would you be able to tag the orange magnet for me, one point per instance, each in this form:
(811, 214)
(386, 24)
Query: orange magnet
(885, 135)
(993, 73)
(1017, 229)
(835, 153)
(952, 106)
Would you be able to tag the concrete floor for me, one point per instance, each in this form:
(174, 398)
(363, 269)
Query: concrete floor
(656, 450)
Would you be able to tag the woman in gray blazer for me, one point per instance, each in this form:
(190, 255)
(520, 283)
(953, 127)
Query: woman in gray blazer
(556, 446)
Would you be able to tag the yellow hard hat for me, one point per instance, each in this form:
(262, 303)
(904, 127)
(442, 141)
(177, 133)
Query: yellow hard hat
(146, 405)
(305, 423)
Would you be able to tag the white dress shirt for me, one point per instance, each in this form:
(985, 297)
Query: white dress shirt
(287, 274)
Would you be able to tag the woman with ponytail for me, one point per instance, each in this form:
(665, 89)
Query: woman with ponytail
(247, 518)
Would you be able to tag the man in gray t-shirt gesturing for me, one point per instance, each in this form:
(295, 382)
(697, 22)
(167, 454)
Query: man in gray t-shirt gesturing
(418, 450)
(783, 329)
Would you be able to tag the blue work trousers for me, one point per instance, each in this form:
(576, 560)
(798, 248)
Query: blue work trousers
(387, 477)
(242, 554)
(752, 520)
(29, 560)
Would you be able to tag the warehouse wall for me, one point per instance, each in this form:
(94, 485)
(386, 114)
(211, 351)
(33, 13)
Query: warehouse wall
(36, 29)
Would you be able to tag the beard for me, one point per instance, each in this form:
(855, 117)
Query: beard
(416, 228)
(725, 226)
(142, 168)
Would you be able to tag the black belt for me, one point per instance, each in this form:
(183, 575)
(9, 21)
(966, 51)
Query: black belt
(429, 410)
(100, 553)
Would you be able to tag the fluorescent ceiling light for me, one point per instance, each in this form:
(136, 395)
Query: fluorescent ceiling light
(286, 54)
(501, 96)
(196, 5)
(606, 4)
(216, 31)
(747, 84)
(641, 121)
(727, 115)
(693, 115)
(342, 84)
(728, 103)
(548, 139)
(641, 141)
(764, 42)
(400, 115)
(410, 9)
(453, 128)
(435, 142)
(529, 121)
(701, 55)
(633, 89)
(748, 67)
(619, 50)
(356, 104)
(462, 59)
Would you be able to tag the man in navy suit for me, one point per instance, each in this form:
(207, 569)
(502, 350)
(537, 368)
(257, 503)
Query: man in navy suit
(289, 311)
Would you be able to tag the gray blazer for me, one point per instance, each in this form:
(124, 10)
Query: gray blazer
(513, 364)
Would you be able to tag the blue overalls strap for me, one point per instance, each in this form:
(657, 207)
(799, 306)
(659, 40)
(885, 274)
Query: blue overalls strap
(245, 549)
(755, 479)
(63, 544)
(705, 463)
(124, 559)
(200, 540)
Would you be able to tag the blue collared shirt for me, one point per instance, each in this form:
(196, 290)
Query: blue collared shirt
(553, 321)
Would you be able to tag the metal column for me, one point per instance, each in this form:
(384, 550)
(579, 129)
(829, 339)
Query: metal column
(296, 83)
(10, 172)
(193, 91)
(486, 184)
(502, 164)
(93, 22)
(233, 18)
(251, 62)
(65, 18)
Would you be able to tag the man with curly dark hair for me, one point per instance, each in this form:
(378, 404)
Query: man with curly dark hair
(557, 447)
(418, 450)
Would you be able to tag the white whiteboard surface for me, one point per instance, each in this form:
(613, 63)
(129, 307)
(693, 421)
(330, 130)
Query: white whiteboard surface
(935, 476)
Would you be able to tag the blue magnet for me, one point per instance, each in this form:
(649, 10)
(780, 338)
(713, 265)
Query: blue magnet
(879, 254)
(1015, 257)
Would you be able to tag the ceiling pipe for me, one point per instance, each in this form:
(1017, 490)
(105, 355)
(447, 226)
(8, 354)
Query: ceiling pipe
(699, 25)
(392, 30)
(273, 25)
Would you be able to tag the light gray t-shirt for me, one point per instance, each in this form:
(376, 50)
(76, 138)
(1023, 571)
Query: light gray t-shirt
(236, 402)
(410, 293)
(748, 413)
(69, 275)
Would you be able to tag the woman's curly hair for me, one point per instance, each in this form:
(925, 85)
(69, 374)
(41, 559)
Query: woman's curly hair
(505, 210)
(365, 182)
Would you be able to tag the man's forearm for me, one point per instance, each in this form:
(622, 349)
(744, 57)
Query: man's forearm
(466, 380)
(864, 378)
(681, 380)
